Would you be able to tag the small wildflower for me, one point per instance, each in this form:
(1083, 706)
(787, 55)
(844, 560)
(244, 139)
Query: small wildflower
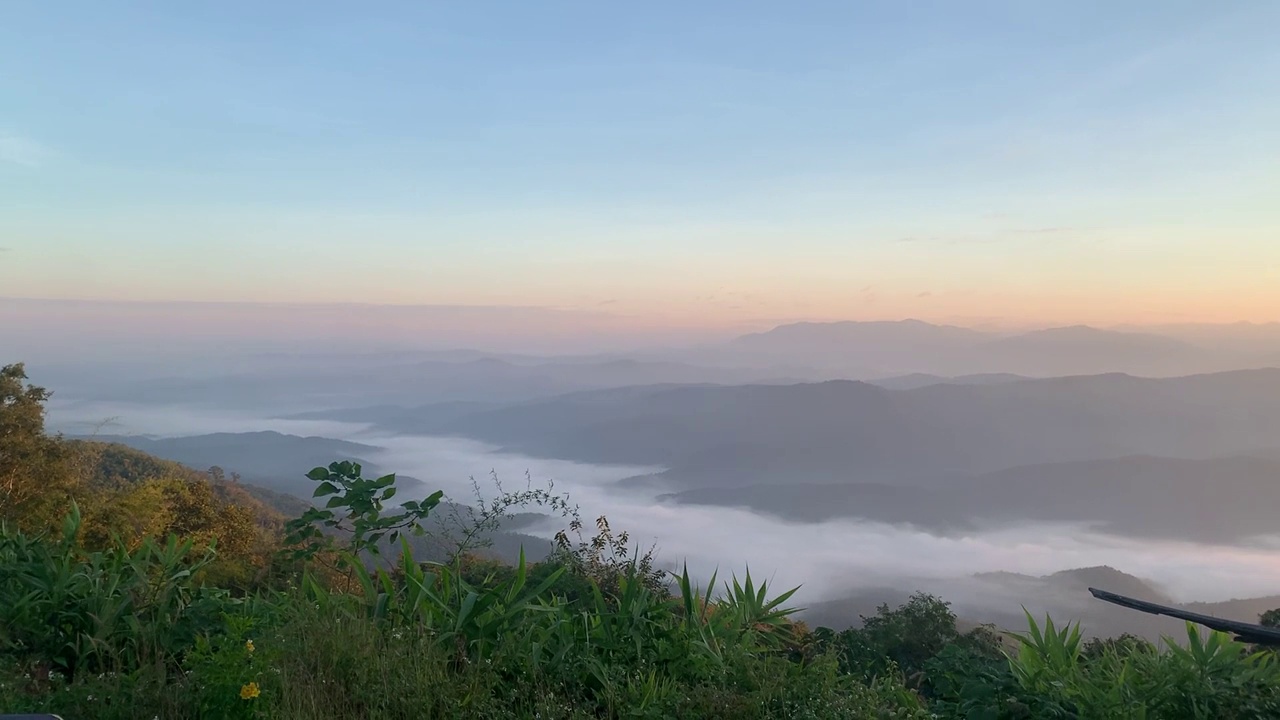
(250, 691)
(248, 645)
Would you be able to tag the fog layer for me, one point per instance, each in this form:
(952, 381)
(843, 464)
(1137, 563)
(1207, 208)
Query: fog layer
(830, 559)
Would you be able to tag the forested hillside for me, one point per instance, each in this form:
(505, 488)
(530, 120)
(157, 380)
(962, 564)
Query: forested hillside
(138, 587)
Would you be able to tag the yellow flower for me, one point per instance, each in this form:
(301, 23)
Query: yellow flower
(248, 645)
(250, 691)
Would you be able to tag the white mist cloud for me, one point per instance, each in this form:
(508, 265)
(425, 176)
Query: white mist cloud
(831, 557)
(23, 151)
(102, 418)
(828, 558)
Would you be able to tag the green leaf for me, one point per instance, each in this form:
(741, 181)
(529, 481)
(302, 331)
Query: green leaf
(389, 493)
(313, 514)
(325, 488)
(318, 474)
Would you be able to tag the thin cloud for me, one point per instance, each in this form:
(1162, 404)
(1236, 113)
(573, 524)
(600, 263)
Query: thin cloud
(22, 151)
(1044, 230)
(925, 294)
(956, 240)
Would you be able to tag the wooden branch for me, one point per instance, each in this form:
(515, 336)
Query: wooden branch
(1244, 632)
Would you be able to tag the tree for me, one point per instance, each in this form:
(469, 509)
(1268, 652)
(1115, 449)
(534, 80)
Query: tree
(1122, 646)
(913, 633)
(1270, 618)
(905, 638)
(36, 474)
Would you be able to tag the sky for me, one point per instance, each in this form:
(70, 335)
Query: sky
(717, 161)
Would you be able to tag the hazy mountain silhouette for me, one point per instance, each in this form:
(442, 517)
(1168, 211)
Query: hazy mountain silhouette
(919, 380)
(420, 419)
(1081, 349)
(867, 349)
(857, 346)
(844, 432)
(1262, 339)
(368, 381)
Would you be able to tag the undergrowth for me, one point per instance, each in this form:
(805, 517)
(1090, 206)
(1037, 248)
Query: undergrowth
(356, 626)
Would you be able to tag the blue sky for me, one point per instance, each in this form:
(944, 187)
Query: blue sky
(878, 159)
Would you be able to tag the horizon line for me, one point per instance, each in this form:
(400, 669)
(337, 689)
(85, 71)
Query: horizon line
(596, 312)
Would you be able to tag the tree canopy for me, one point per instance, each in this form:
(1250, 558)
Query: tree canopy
(35, 468)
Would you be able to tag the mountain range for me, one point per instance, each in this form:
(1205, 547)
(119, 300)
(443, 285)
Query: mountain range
(1136, 456)
(880, 352)
(867, 349)
(844, 431)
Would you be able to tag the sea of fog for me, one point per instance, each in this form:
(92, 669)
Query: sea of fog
(829, 559)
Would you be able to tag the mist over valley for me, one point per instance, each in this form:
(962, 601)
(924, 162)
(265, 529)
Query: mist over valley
(989, 489)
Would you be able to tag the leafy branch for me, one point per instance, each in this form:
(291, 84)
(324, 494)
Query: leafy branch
(355, 511)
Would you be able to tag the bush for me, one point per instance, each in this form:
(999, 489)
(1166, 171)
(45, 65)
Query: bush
(70, 611)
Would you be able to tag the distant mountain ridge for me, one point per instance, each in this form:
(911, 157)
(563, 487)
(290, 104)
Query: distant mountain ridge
(788, 353)
(850, 335)
(845, 431)
(464, 377)
(863, 349)
(919, 380)
(1134, 456)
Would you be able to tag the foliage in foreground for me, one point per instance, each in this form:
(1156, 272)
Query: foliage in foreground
(129, 632)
